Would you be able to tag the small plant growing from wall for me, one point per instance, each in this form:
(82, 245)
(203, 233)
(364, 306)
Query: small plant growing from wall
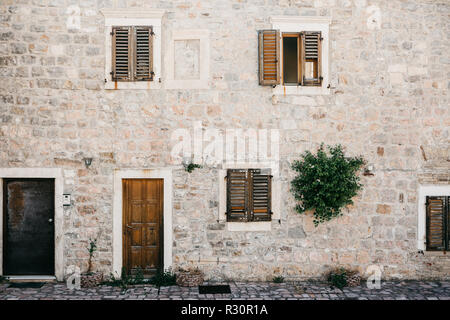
(90, 278)
(326, 182)
(92, 248)
(191, 167)
(278, 279)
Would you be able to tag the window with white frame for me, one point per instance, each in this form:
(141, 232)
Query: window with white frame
(434, 218)
(236, 182)
(249, 195)
(294, 55)
(133, 48)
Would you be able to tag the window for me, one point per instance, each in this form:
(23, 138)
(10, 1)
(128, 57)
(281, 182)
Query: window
(248, 195)
(133, 48)
(437, 223)
(132, 53)
(301, 57)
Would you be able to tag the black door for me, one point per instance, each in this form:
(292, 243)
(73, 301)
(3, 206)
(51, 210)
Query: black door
(29, 207)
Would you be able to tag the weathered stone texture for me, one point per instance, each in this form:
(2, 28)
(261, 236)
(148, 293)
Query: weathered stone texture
(388, 102)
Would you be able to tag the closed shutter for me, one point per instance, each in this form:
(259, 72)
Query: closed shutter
(121, 54)
(143, 70)
(261, 194)
(237, 195)
(248, 195)
(132, 53)
(269, 57)
(437, 220)
(311, 58)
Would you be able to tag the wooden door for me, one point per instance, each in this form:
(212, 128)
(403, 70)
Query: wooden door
(29, 212)
(142, 225)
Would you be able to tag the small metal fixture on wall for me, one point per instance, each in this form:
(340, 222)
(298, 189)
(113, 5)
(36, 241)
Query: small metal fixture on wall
(87, 162)
(368, 171)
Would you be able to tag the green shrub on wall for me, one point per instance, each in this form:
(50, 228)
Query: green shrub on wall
(326, 182)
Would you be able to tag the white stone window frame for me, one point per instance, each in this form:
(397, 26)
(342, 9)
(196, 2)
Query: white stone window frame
(299, 24)
(424, 192)
(204, 60)
(133, 17)
(275, 199)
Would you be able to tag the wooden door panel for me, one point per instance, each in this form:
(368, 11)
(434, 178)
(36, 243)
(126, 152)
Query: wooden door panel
(136, 189)
(137, 210)
(142, 219)
(151, 236)
(136, 258)
(136, 237)
(151, 212)
(151, 259)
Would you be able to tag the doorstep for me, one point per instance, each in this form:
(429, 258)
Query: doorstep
(31, 278)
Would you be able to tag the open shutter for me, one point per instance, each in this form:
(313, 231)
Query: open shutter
(143, 62)
(311, 58)
(269, 57)
(121, 54)
(260, 195)
(237, 195)
(436, 223)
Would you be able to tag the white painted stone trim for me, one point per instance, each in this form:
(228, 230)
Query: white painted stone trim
(424, 191)
(169, 63)
(306, 23)
(276, 196)
(133, 17)
(166, 175)
(57, 174)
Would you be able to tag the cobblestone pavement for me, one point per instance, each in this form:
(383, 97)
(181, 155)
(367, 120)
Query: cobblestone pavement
(390, 290)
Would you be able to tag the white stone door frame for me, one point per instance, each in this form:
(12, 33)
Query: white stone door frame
(119, 175)
(47, 173)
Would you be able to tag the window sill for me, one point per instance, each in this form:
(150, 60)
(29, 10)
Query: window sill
(300, 90)
(139, 85)
(249, 226)
(436, 253)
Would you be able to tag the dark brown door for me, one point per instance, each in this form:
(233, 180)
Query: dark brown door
(142, 225)
(29, 207)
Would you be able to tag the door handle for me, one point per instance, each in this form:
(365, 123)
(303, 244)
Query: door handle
(130, 227)
(50, 220)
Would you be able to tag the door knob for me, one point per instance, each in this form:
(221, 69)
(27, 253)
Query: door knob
(50, 220)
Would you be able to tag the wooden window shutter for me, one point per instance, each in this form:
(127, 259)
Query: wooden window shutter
(437, 223)
(121, 54)
(269, 57)
(143, 48)
(237, 195)
(260, 200)
(311, 58)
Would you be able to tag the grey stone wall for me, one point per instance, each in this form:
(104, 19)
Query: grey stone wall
(389, 103)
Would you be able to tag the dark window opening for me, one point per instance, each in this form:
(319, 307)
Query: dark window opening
(290, 60)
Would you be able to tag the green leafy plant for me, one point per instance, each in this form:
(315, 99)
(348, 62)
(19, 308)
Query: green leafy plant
(126, 279)
(161, 279)
(139, 277)
(338, 278)
(191, 167)
(122, 282)
(92, 248)
(278, 279)
(326, 182)
(164, 278)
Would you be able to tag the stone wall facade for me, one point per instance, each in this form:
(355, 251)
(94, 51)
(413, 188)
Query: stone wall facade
(388, 102)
